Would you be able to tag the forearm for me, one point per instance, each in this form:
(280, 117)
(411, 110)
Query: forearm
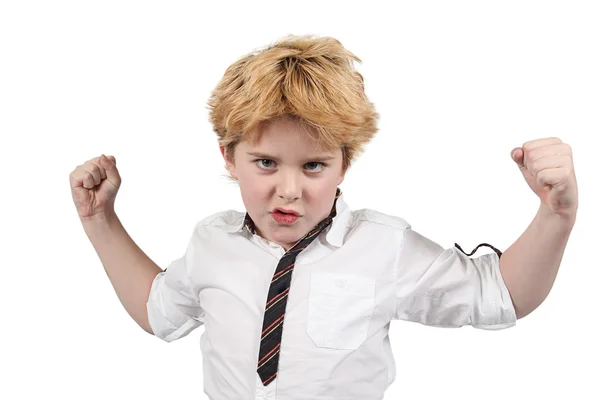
(129, 269)
(530, 265)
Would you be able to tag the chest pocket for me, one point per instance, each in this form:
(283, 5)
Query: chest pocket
(340, 307)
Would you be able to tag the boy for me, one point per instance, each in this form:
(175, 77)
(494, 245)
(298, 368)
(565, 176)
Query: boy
(297, 293)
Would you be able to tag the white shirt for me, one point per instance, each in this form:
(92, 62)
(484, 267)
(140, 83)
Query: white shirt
(362, 272)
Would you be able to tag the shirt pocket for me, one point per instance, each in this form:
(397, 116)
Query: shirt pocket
(340, 307)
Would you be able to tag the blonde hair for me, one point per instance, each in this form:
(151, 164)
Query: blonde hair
(310, 79)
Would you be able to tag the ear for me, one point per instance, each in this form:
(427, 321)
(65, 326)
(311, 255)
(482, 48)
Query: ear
(228, 162)
(341, 178)
(342, 175)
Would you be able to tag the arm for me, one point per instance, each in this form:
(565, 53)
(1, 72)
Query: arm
(129, 269)
(530, 265)
(444, 287)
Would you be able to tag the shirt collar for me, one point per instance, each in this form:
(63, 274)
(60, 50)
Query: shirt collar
(337, 229)
(334, 233)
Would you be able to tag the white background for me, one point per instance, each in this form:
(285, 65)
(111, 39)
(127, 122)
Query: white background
(458, 85)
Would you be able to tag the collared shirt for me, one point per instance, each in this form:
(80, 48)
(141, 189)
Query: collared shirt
(364, 271)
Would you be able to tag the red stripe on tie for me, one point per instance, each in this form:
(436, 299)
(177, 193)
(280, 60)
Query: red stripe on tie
(279, 295)
(282, 271)
(269, 327)
(269, 379)
(269, 353)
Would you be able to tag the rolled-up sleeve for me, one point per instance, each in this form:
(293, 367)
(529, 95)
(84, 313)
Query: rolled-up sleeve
(173, 306)
(447, 288)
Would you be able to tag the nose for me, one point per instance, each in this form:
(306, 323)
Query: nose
(289, 186)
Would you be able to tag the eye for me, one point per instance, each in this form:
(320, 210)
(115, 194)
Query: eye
(313, 166)
(264, 163)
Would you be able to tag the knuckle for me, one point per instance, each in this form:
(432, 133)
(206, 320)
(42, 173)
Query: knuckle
(535, 165)
(540, 177)
(569, 170)
(92, 168)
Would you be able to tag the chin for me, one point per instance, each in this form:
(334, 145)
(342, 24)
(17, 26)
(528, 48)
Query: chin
(288, 237)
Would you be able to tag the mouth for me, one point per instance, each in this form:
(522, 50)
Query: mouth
(284, 217)
(283, 211)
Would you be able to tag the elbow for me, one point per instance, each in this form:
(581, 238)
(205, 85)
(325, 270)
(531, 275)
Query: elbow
(520, 314)
(144, 322)
(148, 330)
(525, 304)
(522, 311)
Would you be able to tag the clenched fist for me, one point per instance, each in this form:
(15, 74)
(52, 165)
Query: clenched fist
(94, 186)
(547, 166)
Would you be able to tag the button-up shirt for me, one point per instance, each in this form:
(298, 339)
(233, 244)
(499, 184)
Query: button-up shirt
(364, 271)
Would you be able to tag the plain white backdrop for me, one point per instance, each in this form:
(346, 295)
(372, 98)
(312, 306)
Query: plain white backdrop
(458, 85)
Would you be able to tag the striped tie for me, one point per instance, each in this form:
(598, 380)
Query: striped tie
(478, 246)
(268, 357)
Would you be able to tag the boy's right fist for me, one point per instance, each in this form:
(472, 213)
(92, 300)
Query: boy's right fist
(94, 186)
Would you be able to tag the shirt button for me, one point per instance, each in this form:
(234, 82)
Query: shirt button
(341, 282)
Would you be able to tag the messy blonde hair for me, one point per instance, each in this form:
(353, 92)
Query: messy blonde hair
(307, 78)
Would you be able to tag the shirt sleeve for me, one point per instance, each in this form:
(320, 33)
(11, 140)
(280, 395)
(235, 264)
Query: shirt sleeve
(173, 305)
(447, 288)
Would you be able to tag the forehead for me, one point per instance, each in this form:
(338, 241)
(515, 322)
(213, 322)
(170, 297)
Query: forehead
(289, 136)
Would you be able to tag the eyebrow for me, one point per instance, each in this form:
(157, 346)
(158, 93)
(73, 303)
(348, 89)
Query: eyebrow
(270, 157)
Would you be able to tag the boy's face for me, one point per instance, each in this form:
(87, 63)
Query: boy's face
(285, 169)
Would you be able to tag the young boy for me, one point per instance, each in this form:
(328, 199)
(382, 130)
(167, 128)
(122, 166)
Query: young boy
(297, 293)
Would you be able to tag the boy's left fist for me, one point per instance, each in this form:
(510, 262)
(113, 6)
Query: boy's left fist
(547, 166)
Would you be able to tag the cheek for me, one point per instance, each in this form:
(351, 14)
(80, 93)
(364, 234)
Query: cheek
(246, 175)
(254, 188)
(320, 195)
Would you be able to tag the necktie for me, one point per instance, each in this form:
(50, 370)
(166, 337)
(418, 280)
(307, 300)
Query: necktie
(478, 246)
(268, 357)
